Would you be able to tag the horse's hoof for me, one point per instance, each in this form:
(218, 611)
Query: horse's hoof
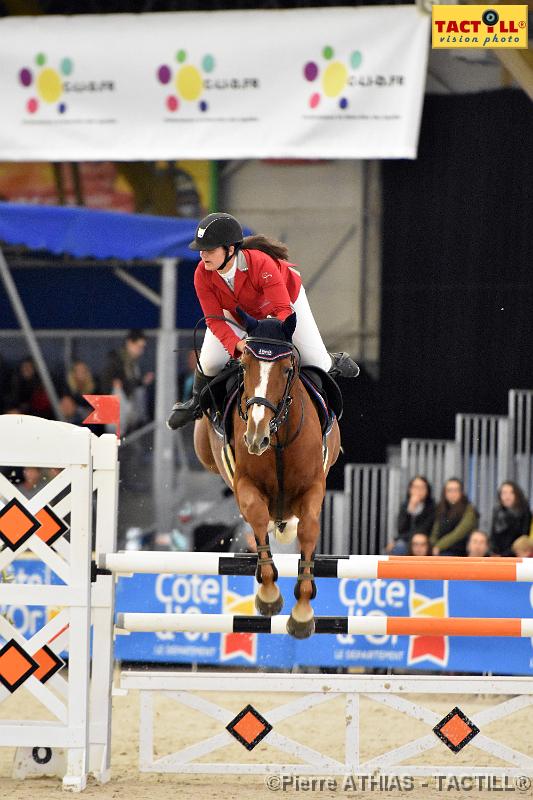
(300, 630)
(269, 609)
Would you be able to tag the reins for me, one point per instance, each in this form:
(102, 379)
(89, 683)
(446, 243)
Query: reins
(281, 411)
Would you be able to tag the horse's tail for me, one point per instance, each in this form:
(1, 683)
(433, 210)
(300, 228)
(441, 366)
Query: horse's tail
(286, 533)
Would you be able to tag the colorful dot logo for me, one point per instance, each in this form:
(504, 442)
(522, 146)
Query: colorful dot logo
(332, 77)
(188, 81)
(48, 82)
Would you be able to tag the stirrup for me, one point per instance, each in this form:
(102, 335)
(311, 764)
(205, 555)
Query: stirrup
(183, 413)
(343, 365)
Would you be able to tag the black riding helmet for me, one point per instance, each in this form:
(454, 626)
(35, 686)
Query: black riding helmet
(217, 230)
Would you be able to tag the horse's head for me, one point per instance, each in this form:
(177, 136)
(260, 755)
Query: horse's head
(269, 367)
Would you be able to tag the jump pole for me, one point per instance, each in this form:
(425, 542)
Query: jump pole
(365, 626)
(355, 566)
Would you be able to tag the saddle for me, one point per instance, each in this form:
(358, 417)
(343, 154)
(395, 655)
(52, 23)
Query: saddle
(218, 398)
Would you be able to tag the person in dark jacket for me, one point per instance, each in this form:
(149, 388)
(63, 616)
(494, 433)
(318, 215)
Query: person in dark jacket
(455, 520)
(417, 514)
(511, 518)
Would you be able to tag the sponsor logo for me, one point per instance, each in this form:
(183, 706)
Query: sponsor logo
(331, 78)
(479, 26)
(187, 80)
(263, 352)
(201, 232)
(188, 83)
(428, 648)
(238, 645)
(45, 83)
(49, 85)
(266, 275)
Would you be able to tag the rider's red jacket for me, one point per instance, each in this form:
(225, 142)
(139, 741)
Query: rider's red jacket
(266, 288)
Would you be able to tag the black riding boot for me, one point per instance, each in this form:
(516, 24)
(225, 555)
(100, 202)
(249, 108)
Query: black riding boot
(182, 413)
(342, 365)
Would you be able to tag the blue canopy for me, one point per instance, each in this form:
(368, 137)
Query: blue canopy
(90, 233)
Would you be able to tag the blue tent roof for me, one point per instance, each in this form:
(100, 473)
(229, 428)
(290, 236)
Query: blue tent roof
(90, 233)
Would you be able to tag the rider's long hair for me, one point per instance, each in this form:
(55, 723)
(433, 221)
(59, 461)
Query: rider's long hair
(271, 247)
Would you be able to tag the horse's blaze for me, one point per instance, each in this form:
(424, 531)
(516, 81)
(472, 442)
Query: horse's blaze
(257, 429)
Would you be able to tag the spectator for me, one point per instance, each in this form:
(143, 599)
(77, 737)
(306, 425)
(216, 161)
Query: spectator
(122, 376)
(80, 381)
(419, 544)
(31, 478)
(417, 514)
(187, 378)
(70, 410)
(455, 519)
(522, 547)
(5, 379)
(478, 545)
(27, 392)
(511, 518)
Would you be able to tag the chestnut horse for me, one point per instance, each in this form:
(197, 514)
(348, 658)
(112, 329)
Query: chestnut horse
(280, 475)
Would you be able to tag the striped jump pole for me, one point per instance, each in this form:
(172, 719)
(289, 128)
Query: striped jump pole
(354, 566)
(365, 626)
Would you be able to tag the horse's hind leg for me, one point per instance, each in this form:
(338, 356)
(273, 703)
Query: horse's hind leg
(268, 600)
(301, 623)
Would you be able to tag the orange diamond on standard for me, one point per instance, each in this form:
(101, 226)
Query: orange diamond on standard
(52, 526)
(456, 730)
(48, 663)
(17, 524)
(249, 727)
(15, 665)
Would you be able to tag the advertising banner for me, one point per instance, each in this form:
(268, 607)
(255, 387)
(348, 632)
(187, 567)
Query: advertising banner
(346, 597)
(195, 594)
(309, 83)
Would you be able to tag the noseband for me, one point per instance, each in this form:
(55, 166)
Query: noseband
(282, 409)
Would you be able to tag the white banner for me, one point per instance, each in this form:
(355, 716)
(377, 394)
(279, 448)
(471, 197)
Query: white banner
(313, 83)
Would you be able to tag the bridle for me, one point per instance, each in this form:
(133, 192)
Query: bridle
(280, 411)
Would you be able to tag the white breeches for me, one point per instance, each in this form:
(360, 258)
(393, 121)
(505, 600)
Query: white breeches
(306, 337)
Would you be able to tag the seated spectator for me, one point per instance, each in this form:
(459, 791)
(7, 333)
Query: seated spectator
(417, 514)
(32, 480)
(455, 519)
(71, 411)
(419, 544)
(511, 518)
(522, 547)
(27, 392)
(80, 381)
(478, 545)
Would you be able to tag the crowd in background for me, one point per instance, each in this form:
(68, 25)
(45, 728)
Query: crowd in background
(22, 391)
(450, 527)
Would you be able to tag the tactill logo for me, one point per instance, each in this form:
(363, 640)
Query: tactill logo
(48, 82)
(188, 81)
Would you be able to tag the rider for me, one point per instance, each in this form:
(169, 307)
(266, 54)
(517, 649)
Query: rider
(252, 273)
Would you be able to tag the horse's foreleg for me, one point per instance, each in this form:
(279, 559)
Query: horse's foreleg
(268, 600)
(301, 623)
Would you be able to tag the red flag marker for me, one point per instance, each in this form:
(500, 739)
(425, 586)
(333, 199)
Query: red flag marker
(106, 410)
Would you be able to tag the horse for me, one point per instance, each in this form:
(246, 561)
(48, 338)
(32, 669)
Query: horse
(279, 478)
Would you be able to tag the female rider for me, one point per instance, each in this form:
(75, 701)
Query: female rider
(252, 273)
